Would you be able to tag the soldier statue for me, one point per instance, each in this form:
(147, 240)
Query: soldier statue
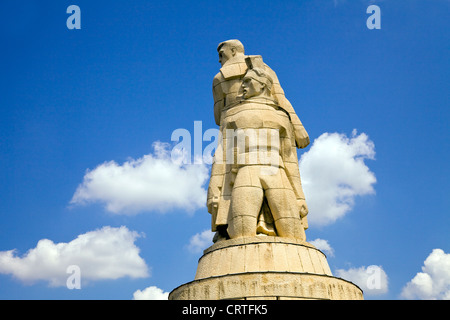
(255, 186)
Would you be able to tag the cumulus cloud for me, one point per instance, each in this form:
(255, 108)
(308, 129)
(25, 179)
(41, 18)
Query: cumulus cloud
(334, 173)
(433, 283)
(152, 183)
(150, 293)
(372, 279)
(107, 253)
(323, 246)
(200, 241)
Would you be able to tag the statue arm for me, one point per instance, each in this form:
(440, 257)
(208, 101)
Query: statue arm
(217, 170)
(300, 133)
(218, 100)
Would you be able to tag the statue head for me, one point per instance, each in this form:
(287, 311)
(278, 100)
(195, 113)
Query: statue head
(229, 49)
(256, 82)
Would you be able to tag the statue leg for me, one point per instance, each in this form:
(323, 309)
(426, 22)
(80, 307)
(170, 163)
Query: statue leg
(283, 205)
(246, 201)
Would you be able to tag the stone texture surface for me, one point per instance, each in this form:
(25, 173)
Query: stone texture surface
(255, 196)
(243, 199)
(261, 253)
(267, 286)
(265, 267)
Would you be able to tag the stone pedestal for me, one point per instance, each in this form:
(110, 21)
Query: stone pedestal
(265, 267)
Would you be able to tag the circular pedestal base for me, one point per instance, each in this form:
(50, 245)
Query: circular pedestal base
(268, 285)
(265, 267)
(261, 253)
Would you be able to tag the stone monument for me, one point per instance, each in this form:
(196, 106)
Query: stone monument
(255, 196)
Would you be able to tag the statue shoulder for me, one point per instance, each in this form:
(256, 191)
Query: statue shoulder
(272, 74)
(234, 70)
(218, 78)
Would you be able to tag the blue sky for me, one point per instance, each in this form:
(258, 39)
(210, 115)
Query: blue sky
(108, 97)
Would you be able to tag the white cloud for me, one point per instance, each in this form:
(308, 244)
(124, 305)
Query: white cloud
(334, 173)
(150, 293)
(107, 253)
(434, 280)
(200, 241)
(372, 279)
(323, 246)
(151, 183)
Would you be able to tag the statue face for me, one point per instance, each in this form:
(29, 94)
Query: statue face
(251, 87)
(225, 53)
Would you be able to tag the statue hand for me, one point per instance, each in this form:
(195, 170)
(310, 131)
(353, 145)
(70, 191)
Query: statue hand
(301, 137)
(303, 208)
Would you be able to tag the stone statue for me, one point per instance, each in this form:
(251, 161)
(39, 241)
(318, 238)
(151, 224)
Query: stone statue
(255, 185)
(255, 196)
